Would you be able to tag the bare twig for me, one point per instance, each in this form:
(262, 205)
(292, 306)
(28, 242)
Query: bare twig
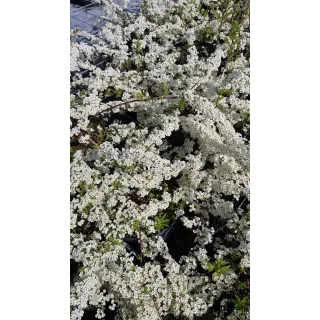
(140, 241)
(125, 103)
(136, 100)
(148, 148)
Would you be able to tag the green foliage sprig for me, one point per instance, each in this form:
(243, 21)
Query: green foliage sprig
(241, 304)
(161, 222)
(219, 267)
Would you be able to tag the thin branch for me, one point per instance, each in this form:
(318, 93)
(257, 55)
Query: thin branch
(140, 241)
(132, 101)
(126, 103)
(148, 148)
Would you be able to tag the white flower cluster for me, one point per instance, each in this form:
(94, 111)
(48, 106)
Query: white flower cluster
(160, 162)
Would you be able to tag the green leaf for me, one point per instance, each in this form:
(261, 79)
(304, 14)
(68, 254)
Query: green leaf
(118, 93)
(182, 104)
(87, 208)
(166, 89)
(81, 189)
(116, 184)
(241, 304)
(219, 267)
(224, 92)
(138, 48)
(135, 225)
(72, 152)
(140, 95)
(161, 222)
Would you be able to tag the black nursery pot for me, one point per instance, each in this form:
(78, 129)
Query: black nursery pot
(80, 2)
(179, 240)
(90, 314)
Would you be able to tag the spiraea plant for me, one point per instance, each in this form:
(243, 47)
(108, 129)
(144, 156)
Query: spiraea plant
(160, 127)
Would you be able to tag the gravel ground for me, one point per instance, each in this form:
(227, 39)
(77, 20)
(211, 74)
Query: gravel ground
(87, 16)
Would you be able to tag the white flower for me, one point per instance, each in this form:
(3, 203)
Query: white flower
(169, 149)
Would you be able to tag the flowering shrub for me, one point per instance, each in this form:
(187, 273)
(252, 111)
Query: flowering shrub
(160, 162)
